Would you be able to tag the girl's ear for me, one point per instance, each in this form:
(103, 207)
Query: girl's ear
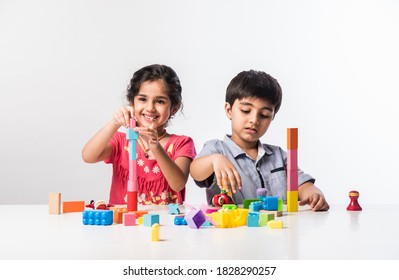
(227, 109)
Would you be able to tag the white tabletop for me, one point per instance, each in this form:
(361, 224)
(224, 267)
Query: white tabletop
(29, 232)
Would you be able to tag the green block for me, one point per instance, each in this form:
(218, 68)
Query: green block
(247, 202)
(280, 204)
(264, 218)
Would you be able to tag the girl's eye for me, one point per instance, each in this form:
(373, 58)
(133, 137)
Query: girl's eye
(160, 102)
(142, 99)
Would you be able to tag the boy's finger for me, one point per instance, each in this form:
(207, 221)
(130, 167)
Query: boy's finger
(237, 178)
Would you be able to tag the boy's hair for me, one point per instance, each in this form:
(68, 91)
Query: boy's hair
(256, 84)
(157, 72)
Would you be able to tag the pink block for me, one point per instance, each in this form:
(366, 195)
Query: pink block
(292, 180)
(129, 219)
(132, 170)
(292, 160)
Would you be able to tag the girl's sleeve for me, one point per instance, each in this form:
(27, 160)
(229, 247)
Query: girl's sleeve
(184, 147)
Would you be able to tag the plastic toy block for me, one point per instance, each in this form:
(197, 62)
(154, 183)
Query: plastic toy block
(277, 213)
(253, 220)
(292, 160)
(73, 206)
(275, 224)
(155, 232)
(174, 209)
(195, 218)
(264, 218)
(292, 201)
(207, 224)
(97, 217)
(180, 221)
(150, 219)
(118, 214)
(131, 134)
(129, 219)
(292, 138)
(270, 203)
(139, 213)
(292, 180)
(247, 202)
(255, 206)
(280, 204)
(54, 204)
(229, 206)
(230, 218)
(261, 192)
(140, 220)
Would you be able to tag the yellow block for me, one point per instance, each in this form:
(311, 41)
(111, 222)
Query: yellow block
(292, 201)
(275, 224)
(155, 232)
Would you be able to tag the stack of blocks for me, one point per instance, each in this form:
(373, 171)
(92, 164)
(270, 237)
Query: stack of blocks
(292, 169)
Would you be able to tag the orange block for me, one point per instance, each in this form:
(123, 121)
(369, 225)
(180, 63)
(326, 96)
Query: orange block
(139, 213)
(118, 214)
(73, 206)
(292, 138)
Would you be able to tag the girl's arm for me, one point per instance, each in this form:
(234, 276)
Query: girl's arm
(176, 172)
(98, 147)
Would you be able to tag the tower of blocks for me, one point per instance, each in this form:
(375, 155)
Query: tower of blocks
(292, 169)
(132, 136)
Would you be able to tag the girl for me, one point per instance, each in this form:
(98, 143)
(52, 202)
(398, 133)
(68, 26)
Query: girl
(163, 159)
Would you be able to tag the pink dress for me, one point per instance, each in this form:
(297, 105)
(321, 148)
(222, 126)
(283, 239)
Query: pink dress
(152, 185)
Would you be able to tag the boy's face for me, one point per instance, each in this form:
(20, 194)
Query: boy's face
(250, 119)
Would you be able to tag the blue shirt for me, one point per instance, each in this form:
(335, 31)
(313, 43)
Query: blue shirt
(267, 171)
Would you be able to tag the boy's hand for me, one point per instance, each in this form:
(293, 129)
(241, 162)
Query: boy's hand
(122, 116)
(316, 201)
(226, 173)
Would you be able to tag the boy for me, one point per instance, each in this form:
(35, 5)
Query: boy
(252, 100)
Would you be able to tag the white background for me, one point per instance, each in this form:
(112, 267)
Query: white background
(65, 66)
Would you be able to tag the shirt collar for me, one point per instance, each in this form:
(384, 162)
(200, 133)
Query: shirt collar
(237, 150)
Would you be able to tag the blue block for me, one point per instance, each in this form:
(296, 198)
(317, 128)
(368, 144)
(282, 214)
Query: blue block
(131, 134)
(174, 209)
(255, 206)
(98, 217)
(180, 221)
(252, 220)
(270, 203)
(150, 219)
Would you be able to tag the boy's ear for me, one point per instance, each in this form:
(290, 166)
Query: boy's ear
(227, 109)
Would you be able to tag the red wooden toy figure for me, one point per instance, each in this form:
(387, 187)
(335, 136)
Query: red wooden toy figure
(354, 204)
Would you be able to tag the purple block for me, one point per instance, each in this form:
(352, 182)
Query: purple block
(195, 218)
(261, 192)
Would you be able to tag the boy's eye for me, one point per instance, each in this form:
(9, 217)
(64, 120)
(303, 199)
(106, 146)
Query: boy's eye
(245, 111)
(264, 116)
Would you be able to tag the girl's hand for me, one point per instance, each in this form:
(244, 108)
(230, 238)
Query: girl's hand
(226, 173)
(122, 116)
(149, 135)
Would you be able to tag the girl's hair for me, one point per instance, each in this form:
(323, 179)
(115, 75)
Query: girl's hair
(157, 72)
(254, 84)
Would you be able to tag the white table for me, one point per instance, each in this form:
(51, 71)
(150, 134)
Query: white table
(29, 232)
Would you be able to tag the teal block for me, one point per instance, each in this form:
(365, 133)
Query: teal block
(253, 219)
(131, 134)
(150, 219)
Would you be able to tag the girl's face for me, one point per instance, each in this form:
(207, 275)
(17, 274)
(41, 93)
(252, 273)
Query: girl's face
(250, 119)
(152, 104)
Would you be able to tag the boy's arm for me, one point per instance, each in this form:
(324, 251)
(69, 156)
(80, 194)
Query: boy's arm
(226, 173)
(308, 193)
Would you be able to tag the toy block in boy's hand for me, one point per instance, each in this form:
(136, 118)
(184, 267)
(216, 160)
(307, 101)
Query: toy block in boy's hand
(54, 204)
(73, 206)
